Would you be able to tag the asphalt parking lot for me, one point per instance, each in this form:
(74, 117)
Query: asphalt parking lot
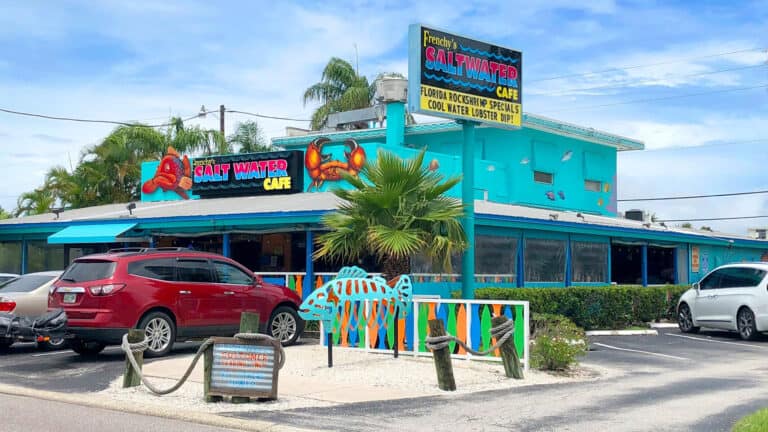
(670, 381)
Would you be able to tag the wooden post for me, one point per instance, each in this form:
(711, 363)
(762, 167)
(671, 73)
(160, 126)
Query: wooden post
(329, 339)
(442, 358)
(397, 331)
(249, 323)
(509, 355)
(131, 376)
(207, 369)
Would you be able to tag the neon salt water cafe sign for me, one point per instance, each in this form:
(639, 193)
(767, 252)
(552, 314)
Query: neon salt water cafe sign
(248, 174)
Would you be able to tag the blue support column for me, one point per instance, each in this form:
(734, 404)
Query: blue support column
(521, 261)
(24, 256)
(225, 247)
(645, 264)
(395, 124)
(151, 241)
(610, 251)
(568, 263)
(468, 200)
(309, 278)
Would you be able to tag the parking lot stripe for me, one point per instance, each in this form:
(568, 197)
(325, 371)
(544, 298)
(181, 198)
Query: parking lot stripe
(716, 341)
(53, 353)
(639, 351)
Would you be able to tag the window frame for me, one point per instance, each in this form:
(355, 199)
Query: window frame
(598, 183)
(143, 262)
(208, 265)
(213, 263)
(551, 177)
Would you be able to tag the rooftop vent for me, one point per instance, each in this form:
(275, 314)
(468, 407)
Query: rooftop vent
(636, 215)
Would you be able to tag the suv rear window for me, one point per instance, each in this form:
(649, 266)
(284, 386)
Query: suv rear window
(84, 271)
(160, 268)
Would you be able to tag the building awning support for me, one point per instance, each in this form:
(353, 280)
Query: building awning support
(94, 233)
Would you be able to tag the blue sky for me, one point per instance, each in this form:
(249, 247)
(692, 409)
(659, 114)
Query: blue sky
(146, 60)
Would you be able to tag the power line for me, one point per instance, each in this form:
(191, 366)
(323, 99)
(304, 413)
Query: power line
(634, 101)
(711, 219)
(692, 196)
(616, 69)
(714, 144)
(630, 83)
(268, 116)
(83, 120)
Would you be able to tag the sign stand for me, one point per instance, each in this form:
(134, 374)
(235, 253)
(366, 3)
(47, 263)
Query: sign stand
(329, 340)
(468, 200)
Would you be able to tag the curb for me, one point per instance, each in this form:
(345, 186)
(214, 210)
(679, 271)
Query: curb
(622, 333)
(663, 325)
(88, 400)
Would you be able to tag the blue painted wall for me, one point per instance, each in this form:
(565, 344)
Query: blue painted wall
(712, 256)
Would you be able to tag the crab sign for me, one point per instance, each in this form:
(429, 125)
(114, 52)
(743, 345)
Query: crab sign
(173, 174)
(321, 168)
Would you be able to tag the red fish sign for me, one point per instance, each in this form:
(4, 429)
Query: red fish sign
(173, 174)
(320, 167)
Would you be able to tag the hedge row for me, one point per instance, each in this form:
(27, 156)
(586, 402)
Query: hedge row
(610, 307)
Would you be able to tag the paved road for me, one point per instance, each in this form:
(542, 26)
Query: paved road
(35, 415)
(670, 382)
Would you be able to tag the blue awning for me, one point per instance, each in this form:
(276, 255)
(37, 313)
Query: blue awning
(101, 233)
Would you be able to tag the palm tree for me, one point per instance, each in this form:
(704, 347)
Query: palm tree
(340, 88)
(38, 201)
(4, 214)
(401, 210)
(249, 138)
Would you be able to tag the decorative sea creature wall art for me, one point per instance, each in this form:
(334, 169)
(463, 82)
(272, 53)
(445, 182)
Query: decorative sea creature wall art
(353, 284)
(567, 156)
(321, 168)
(173, 174)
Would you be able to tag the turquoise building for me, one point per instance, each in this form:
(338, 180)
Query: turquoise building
(545, 210)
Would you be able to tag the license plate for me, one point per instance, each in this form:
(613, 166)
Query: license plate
(69, 298)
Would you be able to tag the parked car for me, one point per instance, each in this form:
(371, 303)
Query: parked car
(172, 295)
(730, 297)
(27, 296)
(7, 276)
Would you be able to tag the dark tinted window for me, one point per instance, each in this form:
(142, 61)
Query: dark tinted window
(712, 281)
(735, 277)
(84, 271)
(194, 271)
(161, 268)
(229, 274)
(25, 283)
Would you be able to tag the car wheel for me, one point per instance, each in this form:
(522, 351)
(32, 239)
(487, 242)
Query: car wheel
(745, 323)
(161, 331)
(285, 325)
(685, 319)
(53, 344)
(86, 348)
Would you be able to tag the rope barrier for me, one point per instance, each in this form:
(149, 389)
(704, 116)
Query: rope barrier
(501, 333)
(131, 348)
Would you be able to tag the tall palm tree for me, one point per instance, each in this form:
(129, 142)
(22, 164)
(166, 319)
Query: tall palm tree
(249, 138)
(38, 201)
(5, 214)
(401, 210)
(340, 88)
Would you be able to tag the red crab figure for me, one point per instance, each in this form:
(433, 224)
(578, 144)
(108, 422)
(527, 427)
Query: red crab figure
(320, 167)
(173, 174)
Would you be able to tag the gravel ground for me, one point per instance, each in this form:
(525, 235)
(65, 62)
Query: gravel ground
(306, 381)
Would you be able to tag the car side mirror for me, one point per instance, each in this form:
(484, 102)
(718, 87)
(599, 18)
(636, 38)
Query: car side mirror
(258, 282)
(696, 286)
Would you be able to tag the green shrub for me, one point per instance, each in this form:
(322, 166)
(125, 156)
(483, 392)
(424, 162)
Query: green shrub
(609, 307)
(755, 422)
(557, 342)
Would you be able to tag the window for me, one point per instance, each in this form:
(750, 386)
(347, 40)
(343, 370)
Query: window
(712, 280)
(25, 283)
(194, 271)
(10, 257)
(84, 271)
(589, 262)
(544, 260)
(740, 277)
(593, 185)
(495, 255)
(229, 274)
(542, 177)
(161, 268)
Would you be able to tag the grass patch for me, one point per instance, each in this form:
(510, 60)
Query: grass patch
(756, 422)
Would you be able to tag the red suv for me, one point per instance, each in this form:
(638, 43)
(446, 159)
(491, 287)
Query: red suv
(172, 295)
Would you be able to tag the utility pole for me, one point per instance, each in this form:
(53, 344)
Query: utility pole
(221, 119)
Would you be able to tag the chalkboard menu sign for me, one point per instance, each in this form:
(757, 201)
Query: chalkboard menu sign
(244, 368)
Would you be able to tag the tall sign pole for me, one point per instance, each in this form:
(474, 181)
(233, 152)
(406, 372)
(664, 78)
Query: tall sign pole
(472, 82)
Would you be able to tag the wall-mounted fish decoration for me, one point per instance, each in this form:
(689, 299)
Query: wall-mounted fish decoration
(434, 165)
(525, 161)
(566, 156)
(561, 194)
(353, 284)
(550, 195)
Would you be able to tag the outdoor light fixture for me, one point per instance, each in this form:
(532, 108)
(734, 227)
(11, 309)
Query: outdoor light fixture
(130, 208)
(579, 215)
(647, 224)
(57, 211)
(663, 224)
(553, 216)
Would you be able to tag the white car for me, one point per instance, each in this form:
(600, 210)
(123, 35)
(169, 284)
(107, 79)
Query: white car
(730, 297)
(7, 276)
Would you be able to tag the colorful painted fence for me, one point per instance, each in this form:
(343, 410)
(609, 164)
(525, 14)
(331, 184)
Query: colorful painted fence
(370, 326)
(422, 281)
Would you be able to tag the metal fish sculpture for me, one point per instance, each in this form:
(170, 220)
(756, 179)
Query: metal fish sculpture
(524, 161)
(353, 284)
(566, 156)
(561, 194)
(550, 195)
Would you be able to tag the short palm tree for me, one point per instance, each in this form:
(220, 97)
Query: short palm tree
(396, 209)
(249, 138)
